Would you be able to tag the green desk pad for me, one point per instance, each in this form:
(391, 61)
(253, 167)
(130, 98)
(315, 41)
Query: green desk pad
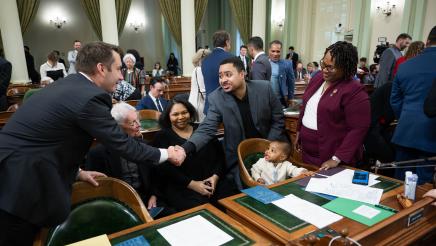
(155, 238)
(286, 221)
(149, 124)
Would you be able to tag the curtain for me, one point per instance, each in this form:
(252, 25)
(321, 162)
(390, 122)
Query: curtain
(26, 11)
(200, 9)
(171, 11)
(122, 7)
(92, 10)
(243, 12)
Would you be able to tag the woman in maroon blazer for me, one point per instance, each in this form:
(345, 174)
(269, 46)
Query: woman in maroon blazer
(335, 114)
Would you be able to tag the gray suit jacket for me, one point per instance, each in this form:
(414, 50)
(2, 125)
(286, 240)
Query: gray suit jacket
(387, 64)
(261, 68)
(266, 112)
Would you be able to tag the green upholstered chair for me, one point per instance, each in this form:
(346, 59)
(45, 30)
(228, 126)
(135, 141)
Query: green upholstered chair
(29, 93)
(111, 207)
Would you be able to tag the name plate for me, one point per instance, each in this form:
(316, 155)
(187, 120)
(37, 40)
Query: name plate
(415, 217)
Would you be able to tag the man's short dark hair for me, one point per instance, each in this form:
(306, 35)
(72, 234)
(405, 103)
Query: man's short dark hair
(432, 36)
(256, 42)
(363, 59)
(75, 41)
(156, 80)
(403, 36)
(243, 46)
(276, 42)
(93, 53)
(291, 48)
(236, 62)
(315, 64)
(219, 38)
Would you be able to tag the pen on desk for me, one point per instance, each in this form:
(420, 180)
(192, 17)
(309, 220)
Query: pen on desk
(322, 175)
(386, 208)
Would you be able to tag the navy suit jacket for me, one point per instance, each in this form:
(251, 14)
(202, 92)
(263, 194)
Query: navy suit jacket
(210, 67)
(147, 103)
(286, 78)
(410, 87)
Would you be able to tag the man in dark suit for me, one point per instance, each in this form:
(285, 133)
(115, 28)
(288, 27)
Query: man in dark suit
(34, 76)
(282, 78)
(430, 101)
(211, 64)
(261, 68)
(44, 142)
(245, 59)
(5, 78)
(300, 72)
(247, 110)
(154, 100)
(415, 134)
(293, 56)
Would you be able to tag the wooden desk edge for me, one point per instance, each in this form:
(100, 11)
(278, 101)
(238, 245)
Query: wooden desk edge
(233, 223)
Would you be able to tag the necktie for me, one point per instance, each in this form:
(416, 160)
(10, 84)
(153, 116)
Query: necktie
(159, 108)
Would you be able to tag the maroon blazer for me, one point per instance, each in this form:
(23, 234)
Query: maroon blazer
(343, 118)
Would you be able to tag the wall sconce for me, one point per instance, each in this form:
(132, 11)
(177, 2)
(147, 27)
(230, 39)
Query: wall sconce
(279, 22)
(136, 26)
(386, 10)
(58, 22)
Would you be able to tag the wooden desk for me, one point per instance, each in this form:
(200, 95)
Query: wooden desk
(241, 234)
(281, 227)
(291, 122)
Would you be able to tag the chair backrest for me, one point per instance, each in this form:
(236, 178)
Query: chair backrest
(14, 107)
(148, 114)
(108, 208)
(4, 117)
(17, 91)
(30, 92)
(132, 102)
(249, 151)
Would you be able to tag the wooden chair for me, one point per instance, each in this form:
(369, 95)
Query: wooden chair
(17, 91)
(148, 114)
(133, 102)
(4, 117)
(13, 107)
(111, 207)
(249, 151)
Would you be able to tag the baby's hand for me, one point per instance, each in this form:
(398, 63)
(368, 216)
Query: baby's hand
(261, 180)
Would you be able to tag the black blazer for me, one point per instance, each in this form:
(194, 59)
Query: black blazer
(430, 101)
(261, 68)
(44, 142)
(5, 78)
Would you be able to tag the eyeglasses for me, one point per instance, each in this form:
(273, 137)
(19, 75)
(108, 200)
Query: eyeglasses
(329, 68)
(134, 123)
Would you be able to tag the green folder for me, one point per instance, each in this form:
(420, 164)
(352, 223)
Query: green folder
(354, 209)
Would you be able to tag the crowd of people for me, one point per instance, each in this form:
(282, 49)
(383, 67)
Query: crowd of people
(45, 141)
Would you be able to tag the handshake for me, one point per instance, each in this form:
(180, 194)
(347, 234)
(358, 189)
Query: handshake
(176, 155)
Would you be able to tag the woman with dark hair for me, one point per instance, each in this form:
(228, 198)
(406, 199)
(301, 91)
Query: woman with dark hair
(199, 179)
(335, 114)
(414, 49)
(173, 65)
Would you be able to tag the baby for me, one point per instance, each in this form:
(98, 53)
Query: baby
(274, 167)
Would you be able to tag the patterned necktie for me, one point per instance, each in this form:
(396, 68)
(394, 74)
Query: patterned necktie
(159, 108)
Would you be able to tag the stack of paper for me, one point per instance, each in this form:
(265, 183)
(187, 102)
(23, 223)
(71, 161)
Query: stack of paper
(335, 187)
(346, 176)
(307, 211)
(194, 231)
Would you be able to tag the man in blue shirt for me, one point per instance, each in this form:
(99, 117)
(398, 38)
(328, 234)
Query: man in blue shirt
(282, 75)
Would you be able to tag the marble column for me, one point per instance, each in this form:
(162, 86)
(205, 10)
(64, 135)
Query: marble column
(108, 17)
(188, 35)
(13, 41)
(259, 19)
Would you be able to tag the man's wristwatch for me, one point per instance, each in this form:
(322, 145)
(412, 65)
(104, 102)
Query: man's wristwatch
(336, 159)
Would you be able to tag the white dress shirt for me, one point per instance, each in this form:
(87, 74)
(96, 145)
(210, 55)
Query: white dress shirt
(154, 101)
(310, 118)
(258, 54)
(274, 174)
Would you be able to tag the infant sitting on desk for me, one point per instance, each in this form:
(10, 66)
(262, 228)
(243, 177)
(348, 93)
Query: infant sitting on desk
(274, 167)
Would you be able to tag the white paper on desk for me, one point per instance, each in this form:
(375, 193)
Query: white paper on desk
(345, 190)
(346, 176)
(307, 211)
(194, 231)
